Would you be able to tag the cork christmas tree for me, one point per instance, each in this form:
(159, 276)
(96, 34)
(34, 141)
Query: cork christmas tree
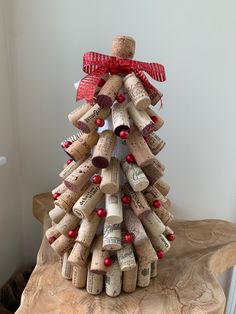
(110, 224)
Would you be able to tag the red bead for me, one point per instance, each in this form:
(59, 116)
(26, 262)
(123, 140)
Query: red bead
(160, 254)
(130, 158)
(69, 161)
(101, 212)
(120, 98)
(55, 196)
(51, 240)
(72, 234)
(107, 261)
(128, 237)
(101, 82)
(99, 122)
(157, 203)
(96, 179)
(124, 134)
(154, 119)
(67, 144)
(126, 199)
(171, 237)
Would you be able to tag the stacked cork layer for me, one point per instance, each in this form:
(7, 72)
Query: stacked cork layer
(110, 224)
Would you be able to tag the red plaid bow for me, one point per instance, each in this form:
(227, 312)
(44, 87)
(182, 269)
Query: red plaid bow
(97, 64)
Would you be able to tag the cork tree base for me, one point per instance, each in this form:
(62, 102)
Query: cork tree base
(186, 281)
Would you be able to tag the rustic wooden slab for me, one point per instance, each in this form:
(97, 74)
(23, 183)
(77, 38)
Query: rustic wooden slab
(186, 282)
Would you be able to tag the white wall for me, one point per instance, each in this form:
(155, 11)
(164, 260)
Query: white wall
(11, 245)
(193, 39)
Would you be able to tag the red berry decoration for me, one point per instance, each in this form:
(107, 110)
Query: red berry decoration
(171, 237)
(130, 158)
(128, 237)
(99, 122)
(55, 196)
(101, 212)
(107, 261)
(160, 254)
(124, 134)
(126, 199)
(69, 161)
(120, 98)
(96, 179)
(157, 203)
(72, 234)
(51, 240)
(154, 119)
(67, 144)
(101, 82)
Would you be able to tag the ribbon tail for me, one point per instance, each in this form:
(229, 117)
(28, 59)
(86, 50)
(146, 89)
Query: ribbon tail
(154, 94)
(87, 87)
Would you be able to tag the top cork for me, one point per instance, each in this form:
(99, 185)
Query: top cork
(123, 47)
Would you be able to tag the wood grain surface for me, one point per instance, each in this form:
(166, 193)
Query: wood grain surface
(186, 281)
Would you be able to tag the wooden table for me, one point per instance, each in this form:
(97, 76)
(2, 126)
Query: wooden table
(186, 282)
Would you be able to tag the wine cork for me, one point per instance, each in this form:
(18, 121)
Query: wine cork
(134, 226)
(155, 96)
(139, 148)
(159, 121)
(151, 194)
(145, 253)
(120, 118)
(141, 119)
(126, 258)
(56, 214)
(153, 224)
(108, 92)
(167, 231)
(68, 222)
(79, 276)
(165, 216)
(160, 243)
(68, 169)
(79, 255)
(138, 203)
(162, 186)
(98, 256)
(111, 237)
(123, 47)
(52, 232)
(60, 189)
(135, 175)
(62, 244)
(72, 138)
(130, 280)
(144, 275)
(88, 229)
(110, 183)
(88, 201)
(113, 281)
(76, 114)
(114, 208)
(103, 150)
(77, 179)
(94, 283)
(154, 270)
(136, 91)
(67, 200)
(153, 171)
(155, 143)
(82, 146)
(66, 267)
(87, 123)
